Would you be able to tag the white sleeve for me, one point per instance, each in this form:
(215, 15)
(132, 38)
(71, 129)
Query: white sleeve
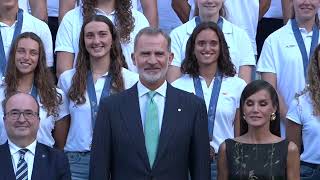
(245, 50)
(294, 111)
(64, 34)
(241, 86)
(45, 35)
(64, 106)
(62, 82)
(266, 61)
(140, 21)
(176, 45)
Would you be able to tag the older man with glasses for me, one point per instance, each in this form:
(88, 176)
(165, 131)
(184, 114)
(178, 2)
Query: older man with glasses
(22, 157)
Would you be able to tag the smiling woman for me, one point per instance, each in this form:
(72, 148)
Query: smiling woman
(27, 72)
(240, 49)
(210, 74)
(99, 73)
(27, 55)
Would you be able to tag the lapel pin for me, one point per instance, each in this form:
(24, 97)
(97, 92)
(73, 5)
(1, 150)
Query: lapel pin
(43, 156)
(179, 109)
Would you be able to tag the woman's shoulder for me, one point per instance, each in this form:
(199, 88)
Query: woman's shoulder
(235, 81)
(129, 74)
(68, 74)
(184, 82)
(234, 84)
(129, 77)
(140, 20)
(230, 27)
(292, 147)
(65, 79)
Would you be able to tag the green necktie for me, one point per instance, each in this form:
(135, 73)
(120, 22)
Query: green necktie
(151, 128)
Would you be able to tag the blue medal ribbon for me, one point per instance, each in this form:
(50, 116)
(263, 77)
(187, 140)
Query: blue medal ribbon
(213, 100)
(34, 92)
(93, 97)
(302, 47)
(17, 32)
(219, 23)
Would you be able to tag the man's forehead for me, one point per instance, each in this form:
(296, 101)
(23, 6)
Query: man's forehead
(151, 42)
(21, 100)
(152, 39)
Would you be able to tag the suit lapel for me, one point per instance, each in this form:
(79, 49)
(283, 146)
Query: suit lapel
(132, 118)
(168, 122)
(40, 160)
(6, 163)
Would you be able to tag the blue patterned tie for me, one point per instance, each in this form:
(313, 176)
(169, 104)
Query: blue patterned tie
(151, 128)
(22, 167)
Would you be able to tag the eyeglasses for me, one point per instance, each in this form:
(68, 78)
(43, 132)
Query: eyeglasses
(27, 114)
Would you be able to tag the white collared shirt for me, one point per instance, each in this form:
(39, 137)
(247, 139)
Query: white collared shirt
(28, 157)
(307, 39)
(159, 98)
(80, 133)
(228, 103)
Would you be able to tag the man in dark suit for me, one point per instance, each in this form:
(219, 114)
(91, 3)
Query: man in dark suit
(22, 157)
(153, 130)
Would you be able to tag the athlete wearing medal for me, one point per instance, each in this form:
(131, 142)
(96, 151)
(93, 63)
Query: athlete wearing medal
(286, 52)
(99, 72)
(211, 76)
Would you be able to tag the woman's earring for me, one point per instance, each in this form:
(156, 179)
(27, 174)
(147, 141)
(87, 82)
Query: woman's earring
(273, 116)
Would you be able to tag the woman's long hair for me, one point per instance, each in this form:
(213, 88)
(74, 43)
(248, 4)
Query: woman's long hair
(124, 21)
(314, 81)
(190, 64)
(43, 79)
(251, 89)
(83, 66)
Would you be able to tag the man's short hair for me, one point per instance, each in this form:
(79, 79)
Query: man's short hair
(151, 31)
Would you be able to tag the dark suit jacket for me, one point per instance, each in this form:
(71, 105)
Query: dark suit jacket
(49, 164)
(119, 152)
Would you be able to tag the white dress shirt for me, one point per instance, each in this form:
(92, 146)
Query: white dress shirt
(28, 157)
(159, 98)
